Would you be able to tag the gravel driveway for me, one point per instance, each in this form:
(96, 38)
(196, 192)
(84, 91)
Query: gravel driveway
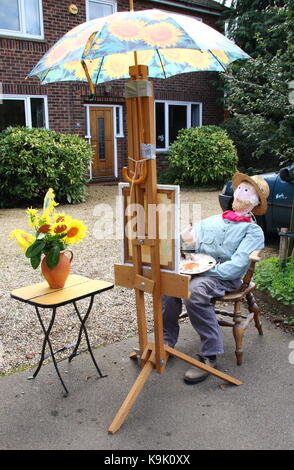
(113, 317)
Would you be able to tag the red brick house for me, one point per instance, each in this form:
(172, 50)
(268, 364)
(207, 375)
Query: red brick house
(28, 28)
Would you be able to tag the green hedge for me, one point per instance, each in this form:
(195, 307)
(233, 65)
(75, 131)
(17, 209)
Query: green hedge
(33, 160)
(202, 156)
(277, 278)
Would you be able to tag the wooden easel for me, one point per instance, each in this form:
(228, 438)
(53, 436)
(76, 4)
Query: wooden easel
(142, 177)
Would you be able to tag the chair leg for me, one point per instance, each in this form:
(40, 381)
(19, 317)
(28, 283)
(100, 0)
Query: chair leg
(238, 333)
(253, 307)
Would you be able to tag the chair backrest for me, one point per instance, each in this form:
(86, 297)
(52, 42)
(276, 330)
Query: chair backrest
(254, 258)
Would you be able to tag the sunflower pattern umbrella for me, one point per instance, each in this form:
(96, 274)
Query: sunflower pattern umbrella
(103, 49)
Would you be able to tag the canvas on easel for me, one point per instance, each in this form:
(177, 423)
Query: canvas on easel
(168, 209)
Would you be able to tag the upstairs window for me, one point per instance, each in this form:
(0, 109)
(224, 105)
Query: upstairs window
(99, 8)
(21, 18)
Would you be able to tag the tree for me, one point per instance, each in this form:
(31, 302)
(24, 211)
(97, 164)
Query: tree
(249, 21)
(257, 91)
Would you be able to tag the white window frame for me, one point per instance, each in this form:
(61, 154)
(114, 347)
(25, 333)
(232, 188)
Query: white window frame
(27, 107)
(22, 33)
(188, 104)
(115, 134)
(113, 3)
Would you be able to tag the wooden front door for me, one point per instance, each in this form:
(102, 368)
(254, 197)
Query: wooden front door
(102, 140)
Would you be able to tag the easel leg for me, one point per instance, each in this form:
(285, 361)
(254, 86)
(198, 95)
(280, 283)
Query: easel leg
(200, 365)
(131, 398)
(144, 374)
(141, 320)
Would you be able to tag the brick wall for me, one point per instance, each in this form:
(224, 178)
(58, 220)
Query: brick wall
(66, 100)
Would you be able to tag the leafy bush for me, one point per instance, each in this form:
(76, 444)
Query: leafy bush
(33, 160)
(252, 137)
(202, 155)
(277, 278)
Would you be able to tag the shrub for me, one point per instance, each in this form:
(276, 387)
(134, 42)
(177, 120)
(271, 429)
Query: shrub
(277, 278)
(33, 160)
(202, 155)
(252, 135)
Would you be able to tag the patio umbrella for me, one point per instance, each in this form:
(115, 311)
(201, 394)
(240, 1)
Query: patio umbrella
(168, 43)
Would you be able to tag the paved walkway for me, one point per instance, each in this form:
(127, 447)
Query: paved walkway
(168, 414)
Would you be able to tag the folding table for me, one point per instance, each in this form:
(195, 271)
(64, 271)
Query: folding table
(42, 296)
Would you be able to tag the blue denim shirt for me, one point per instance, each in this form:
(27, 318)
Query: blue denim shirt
(230, 243)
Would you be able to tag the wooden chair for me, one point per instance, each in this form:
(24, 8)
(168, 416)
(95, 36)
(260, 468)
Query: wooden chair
(240, 321)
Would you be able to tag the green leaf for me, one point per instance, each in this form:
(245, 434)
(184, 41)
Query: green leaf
(35, 249)
(35, 261)
(53, 257)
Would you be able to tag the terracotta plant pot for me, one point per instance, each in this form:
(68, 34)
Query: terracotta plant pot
(57, 276)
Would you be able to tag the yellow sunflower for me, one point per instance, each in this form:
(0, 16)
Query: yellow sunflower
(58, 228)
(23, 239)
(144, 57)
(161, 35)
(61, 223)
(199, 60)
(116, 65)
(58, 52)
(32, 216)
(192, 57)
(126, 30)
(221, 55)
(76, 232)
(175, 55)
(44, 220)
(59, 217)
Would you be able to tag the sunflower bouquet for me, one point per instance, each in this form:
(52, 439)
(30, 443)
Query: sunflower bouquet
(54, 232)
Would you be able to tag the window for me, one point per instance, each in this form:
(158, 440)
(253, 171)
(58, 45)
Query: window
(171, 116)
(119, 122)
(99, 8)
(19, 110)
(21, 18)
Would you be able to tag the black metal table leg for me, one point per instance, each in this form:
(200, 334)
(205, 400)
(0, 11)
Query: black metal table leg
(47, 341)
(83, 329)
(75, 353)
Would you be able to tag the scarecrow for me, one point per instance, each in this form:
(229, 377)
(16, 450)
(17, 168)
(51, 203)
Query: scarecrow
(229, 238)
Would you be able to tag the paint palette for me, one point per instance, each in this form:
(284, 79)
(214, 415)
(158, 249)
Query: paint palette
(199, 263)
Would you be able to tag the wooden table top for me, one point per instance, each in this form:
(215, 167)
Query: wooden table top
(76, 288)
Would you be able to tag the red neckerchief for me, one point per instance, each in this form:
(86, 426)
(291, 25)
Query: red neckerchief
(231, 215)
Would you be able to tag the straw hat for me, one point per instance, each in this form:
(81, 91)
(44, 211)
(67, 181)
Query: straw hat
(261, 187)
